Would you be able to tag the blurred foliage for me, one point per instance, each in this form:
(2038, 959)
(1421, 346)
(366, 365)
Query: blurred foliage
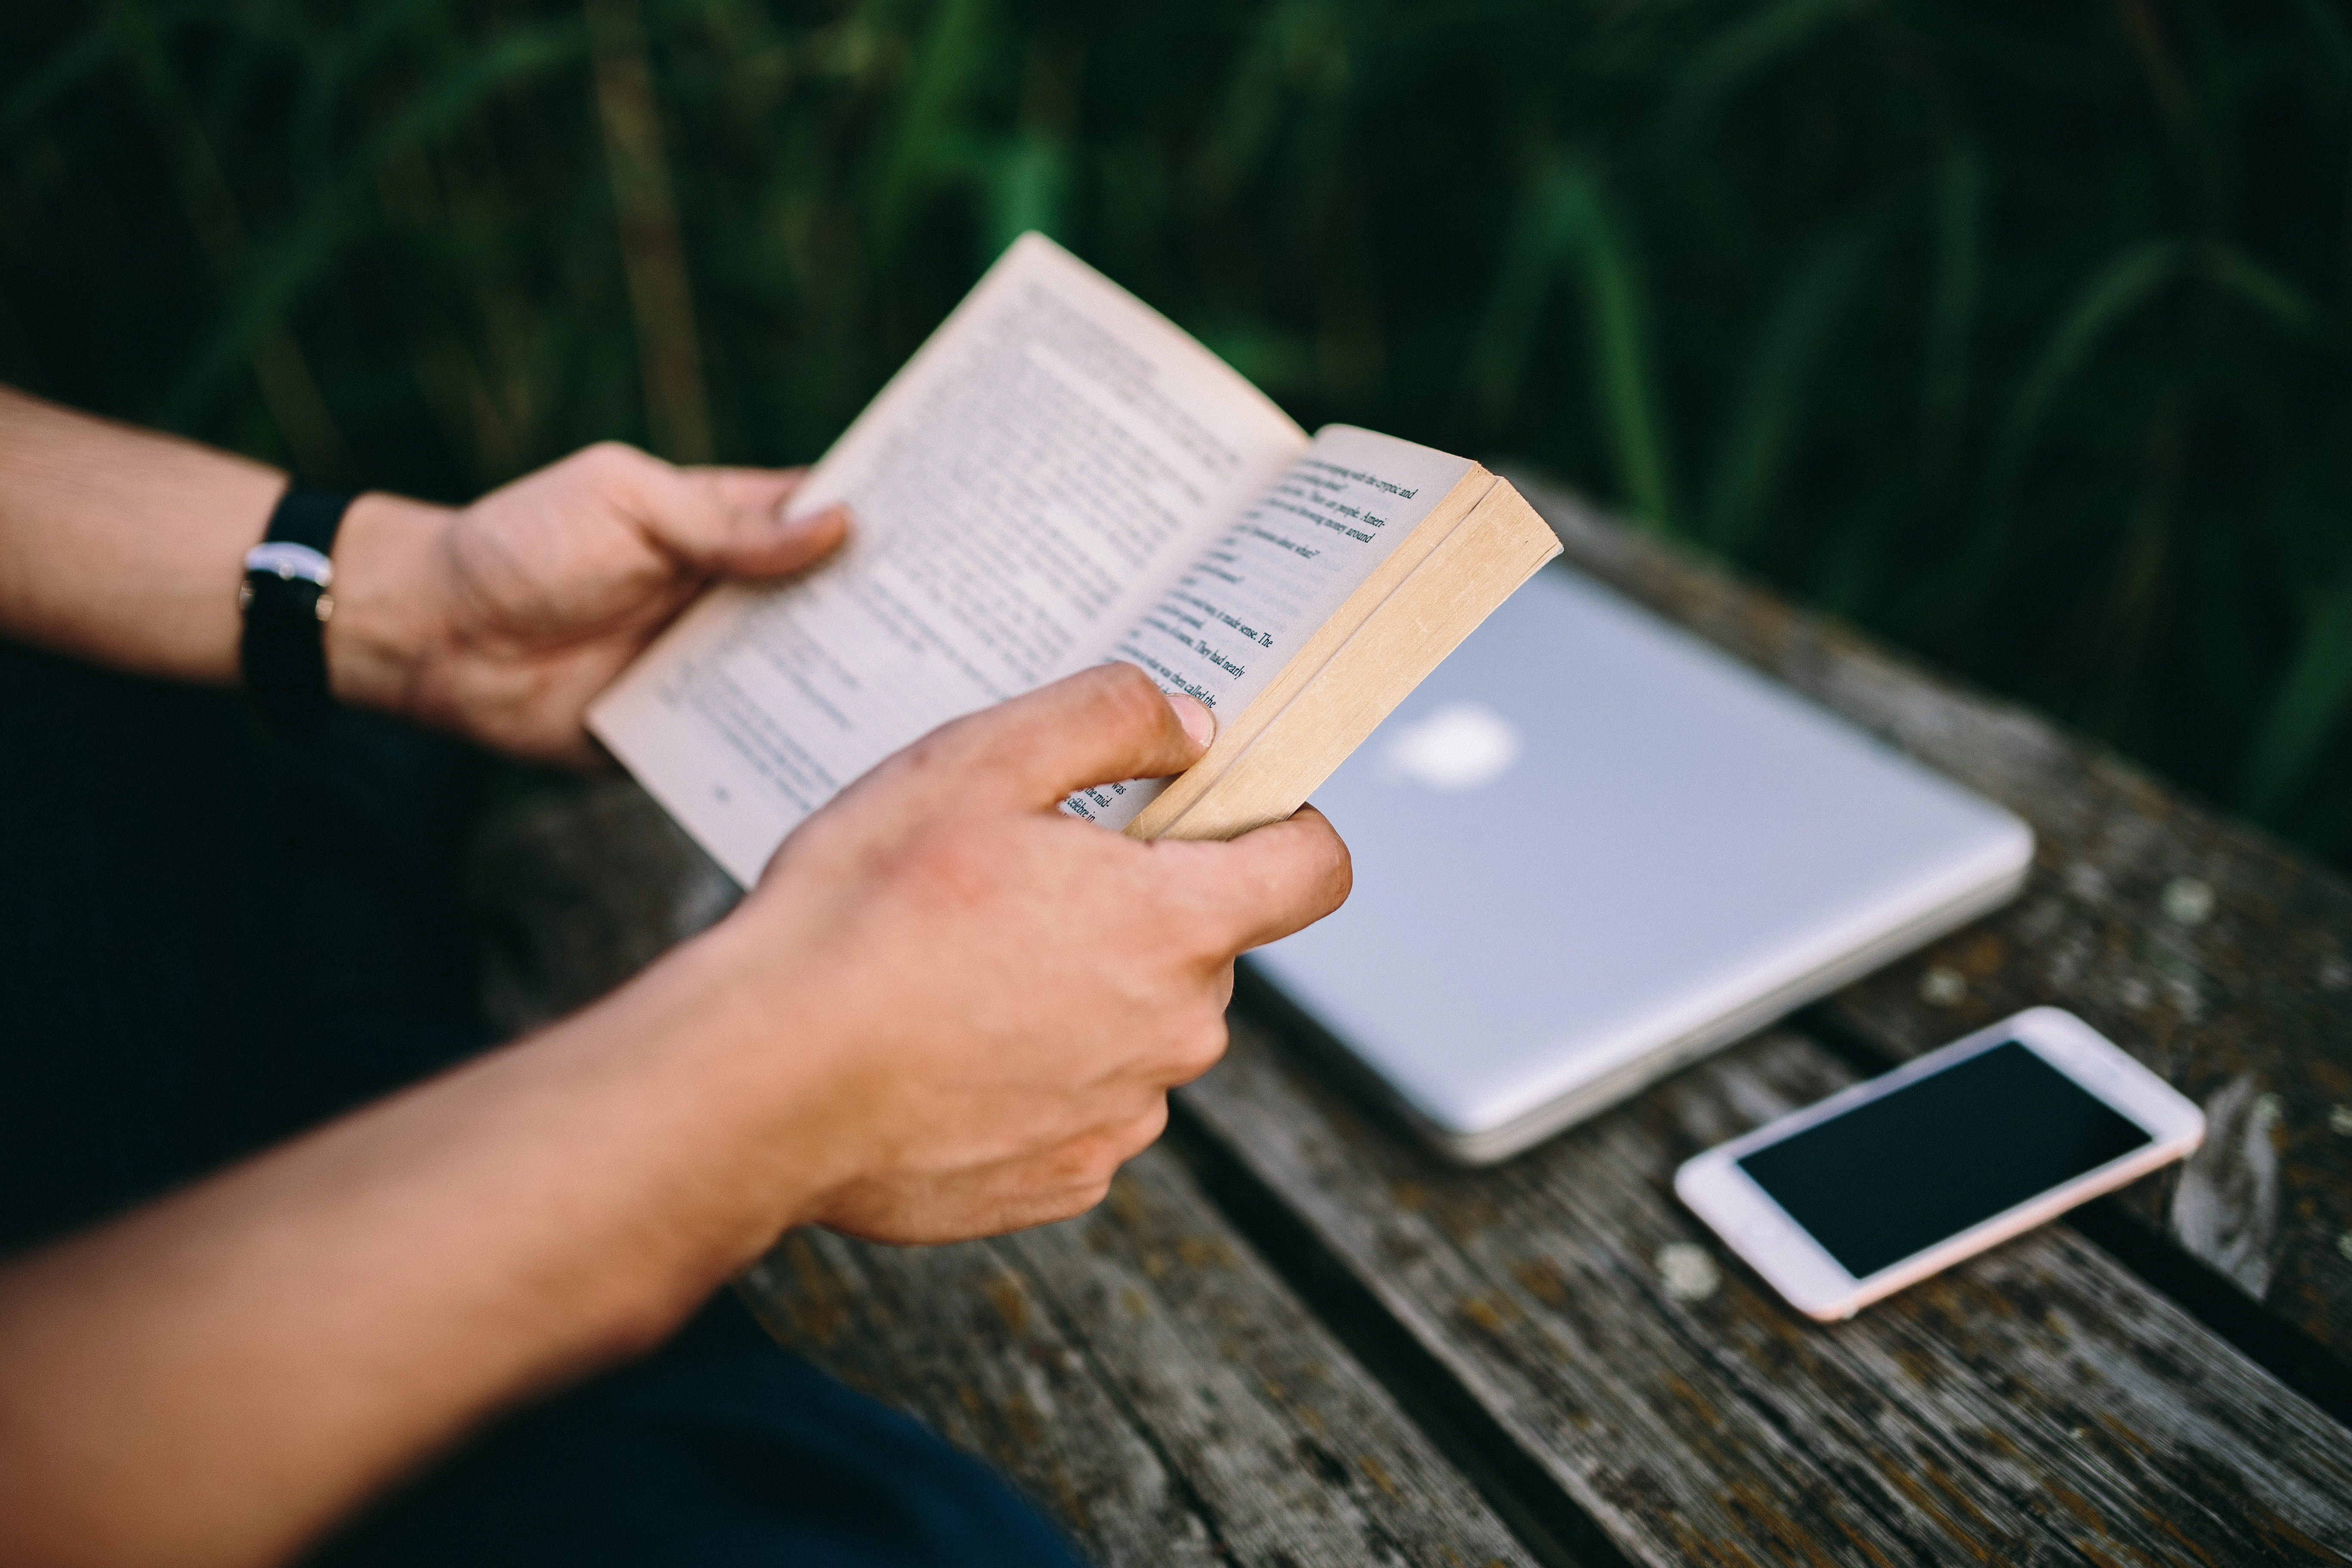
(2018, 333)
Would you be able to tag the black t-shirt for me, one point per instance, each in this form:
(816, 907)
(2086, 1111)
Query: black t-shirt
(208, 940)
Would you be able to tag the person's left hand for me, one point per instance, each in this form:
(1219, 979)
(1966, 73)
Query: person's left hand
(502, 620)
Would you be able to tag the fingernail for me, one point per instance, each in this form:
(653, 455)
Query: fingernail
(1194, 715)
(821, 520)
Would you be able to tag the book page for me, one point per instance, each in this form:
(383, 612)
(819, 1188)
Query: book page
(1233, 619)
(1022, 491)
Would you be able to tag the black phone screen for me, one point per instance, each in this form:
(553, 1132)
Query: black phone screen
(1898, 1174)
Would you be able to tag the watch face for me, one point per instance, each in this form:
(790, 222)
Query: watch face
(297, 563)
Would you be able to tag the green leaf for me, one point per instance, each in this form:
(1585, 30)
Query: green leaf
(1275, 362)
(929, 145)
(55, 76)
(503, 63)
(2233, 272)
(1741, 53)
(2127, 281)
(1626, 380)
(271, 280)
(2335, 38)
(1768, 409)
(1959, 250)
(1027, 182)
(2305, 713)
(1497, 353)
(1569, 231)
(329, 73)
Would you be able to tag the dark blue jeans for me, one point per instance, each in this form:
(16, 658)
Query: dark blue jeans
(719, 1450)
(208, 941)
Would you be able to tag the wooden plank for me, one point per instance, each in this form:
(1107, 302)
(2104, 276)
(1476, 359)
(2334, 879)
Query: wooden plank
(1140, 1372)
(958, 1338)
(1145, 1377)
(2038, 1405)
(2208, 950)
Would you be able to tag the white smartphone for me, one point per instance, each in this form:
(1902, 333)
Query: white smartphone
(1886, 1183)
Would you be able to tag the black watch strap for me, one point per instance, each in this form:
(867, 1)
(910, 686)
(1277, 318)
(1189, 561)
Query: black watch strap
(288, 599)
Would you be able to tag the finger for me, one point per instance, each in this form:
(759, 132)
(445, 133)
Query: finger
(1200, 1055)
(1100, 726)
(1272, 881)
(1144, 1131)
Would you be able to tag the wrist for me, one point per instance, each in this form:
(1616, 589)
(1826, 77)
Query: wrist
(388, 612)
(762, 1094)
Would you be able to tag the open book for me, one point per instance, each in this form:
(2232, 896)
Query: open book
(1059, 477)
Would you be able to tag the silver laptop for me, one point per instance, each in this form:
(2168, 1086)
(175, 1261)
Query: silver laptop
(1592, 847)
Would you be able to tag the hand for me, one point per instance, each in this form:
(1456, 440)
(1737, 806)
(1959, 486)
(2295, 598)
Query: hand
(1004, 994)
(945, 1011)
(502, 620)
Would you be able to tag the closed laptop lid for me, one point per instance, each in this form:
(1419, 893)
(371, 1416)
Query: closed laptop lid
(1588, 837)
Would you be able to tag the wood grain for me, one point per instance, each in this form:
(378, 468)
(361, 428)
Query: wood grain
(2208, 950)
(1145, 1377)
(1140, 1372)
(2038, 1405)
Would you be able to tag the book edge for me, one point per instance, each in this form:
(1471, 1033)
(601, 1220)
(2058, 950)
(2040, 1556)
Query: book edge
(1524, 542)
(1235, 740)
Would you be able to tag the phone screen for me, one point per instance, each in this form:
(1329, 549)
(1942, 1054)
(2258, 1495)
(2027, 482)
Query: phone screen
(1897, 1175)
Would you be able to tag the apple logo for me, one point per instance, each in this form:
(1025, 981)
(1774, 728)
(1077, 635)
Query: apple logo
(1460, 746)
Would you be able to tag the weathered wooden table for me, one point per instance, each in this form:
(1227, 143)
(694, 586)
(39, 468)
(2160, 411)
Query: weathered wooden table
(1290, 1337)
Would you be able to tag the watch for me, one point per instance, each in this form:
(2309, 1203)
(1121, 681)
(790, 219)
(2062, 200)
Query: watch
(287, 601)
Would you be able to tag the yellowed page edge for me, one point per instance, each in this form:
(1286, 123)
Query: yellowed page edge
(1235, 738)
(1357, 687)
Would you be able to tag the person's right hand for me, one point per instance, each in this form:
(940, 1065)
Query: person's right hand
(1002, 995)
(946, 1011)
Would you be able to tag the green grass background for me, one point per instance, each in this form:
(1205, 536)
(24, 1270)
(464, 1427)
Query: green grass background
(2015, 332)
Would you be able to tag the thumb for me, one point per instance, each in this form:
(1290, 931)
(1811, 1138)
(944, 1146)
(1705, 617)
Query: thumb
(1099, 726)
(739, 522)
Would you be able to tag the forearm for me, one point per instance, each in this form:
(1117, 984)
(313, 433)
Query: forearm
(217, 1378)
(125, 548)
